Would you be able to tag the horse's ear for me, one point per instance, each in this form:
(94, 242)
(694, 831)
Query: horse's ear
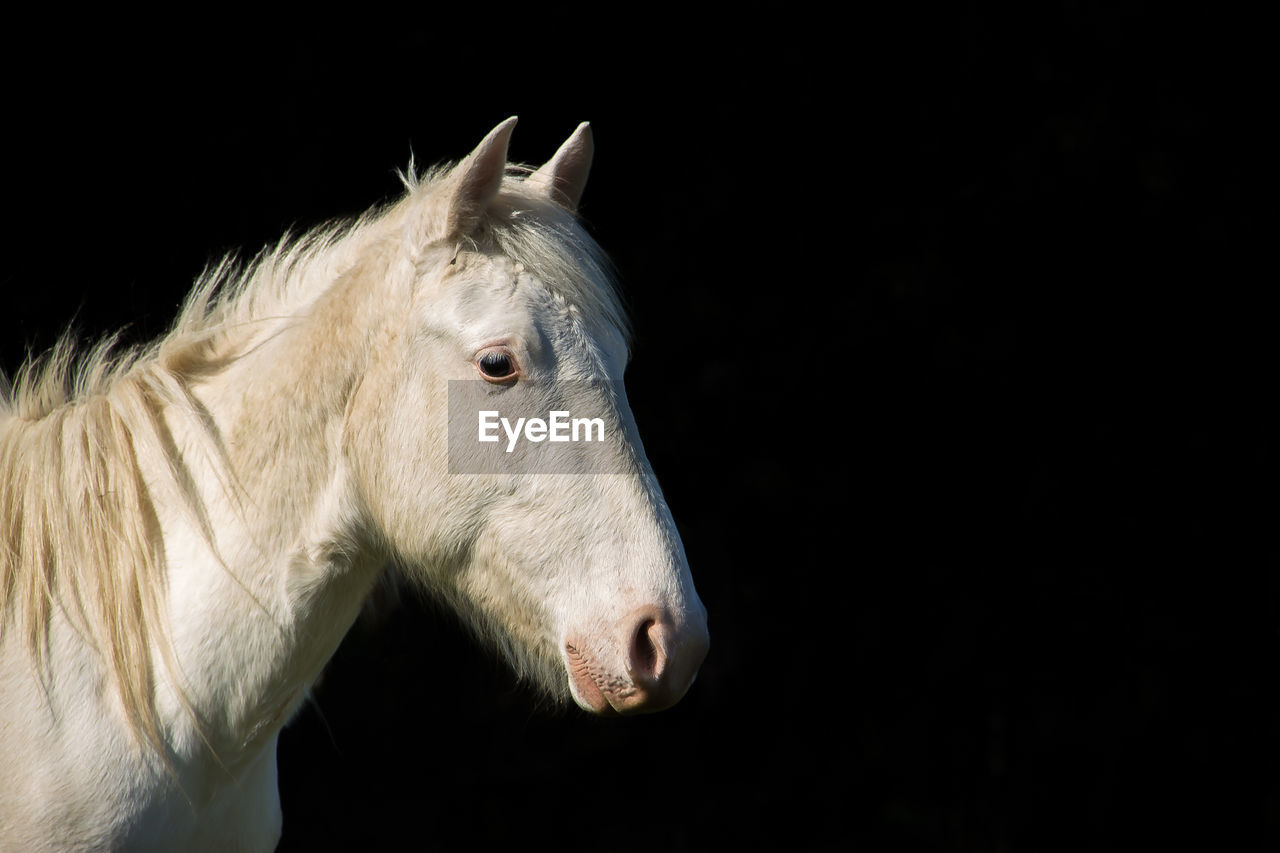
(468, 189)
(565, 175)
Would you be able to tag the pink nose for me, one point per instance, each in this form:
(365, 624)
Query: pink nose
(662, 659)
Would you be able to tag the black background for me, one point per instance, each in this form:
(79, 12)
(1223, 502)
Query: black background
(954, 346)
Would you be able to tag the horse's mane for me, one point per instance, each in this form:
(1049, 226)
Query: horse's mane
(78, 526)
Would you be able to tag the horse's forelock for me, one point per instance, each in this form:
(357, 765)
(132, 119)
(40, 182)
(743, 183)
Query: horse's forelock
(526, 226)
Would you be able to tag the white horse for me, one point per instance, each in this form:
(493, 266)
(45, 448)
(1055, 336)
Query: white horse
(187, 531)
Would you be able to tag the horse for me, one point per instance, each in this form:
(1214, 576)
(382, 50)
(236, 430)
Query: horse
(189, 528)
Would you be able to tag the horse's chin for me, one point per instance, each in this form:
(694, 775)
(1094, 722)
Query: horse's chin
(584, 684)
(589, 697)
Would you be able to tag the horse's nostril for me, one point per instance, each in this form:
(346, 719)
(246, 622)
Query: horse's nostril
(646, 652)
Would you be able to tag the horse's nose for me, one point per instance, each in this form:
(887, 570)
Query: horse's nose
(646, 663)
(663, 657)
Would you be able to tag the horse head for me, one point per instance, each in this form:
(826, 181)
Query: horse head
(502, 304)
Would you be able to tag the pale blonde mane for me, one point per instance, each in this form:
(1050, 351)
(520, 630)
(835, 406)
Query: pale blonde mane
(77, 525)
(79, 533)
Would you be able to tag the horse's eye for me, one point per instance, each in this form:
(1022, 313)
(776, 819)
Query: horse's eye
(497, 364)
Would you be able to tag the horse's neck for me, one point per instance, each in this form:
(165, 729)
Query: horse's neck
(263, 586)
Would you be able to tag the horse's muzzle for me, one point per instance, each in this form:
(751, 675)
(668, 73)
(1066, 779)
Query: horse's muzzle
(660, 659)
